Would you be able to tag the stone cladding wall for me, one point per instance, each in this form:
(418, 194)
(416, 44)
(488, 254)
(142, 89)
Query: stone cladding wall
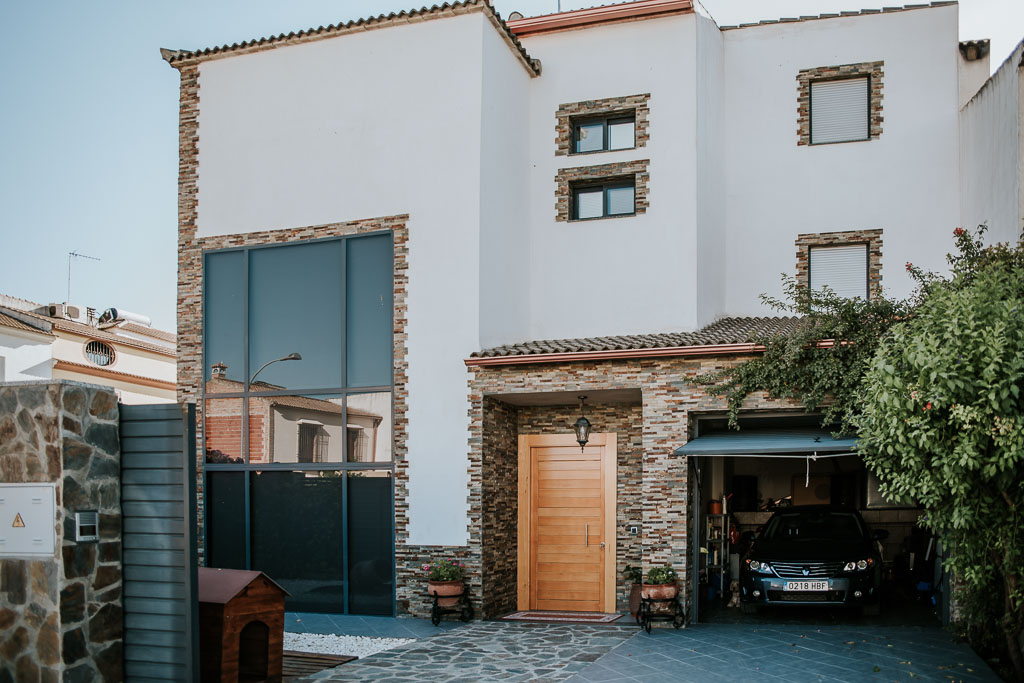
(566, 114)
(566, 178)
(61, 617)
(669, 402)
(874, 72)
(872, 238)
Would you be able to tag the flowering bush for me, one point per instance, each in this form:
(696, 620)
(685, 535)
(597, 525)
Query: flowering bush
(445, 570)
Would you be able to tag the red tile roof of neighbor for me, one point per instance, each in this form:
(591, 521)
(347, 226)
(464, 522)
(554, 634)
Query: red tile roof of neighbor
(15, 324)
(91, 332)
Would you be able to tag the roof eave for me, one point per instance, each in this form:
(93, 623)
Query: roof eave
(578, 356)
(593, 16)
(184, 58)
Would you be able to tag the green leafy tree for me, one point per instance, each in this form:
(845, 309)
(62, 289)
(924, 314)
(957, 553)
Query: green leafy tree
(821, 363)
(942, 419)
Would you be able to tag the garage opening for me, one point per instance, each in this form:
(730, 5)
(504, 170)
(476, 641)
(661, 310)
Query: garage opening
(782, 496)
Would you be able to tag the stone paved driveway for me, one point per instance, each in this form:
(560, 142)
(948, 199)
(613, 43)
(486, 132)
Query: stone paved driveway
(504, 651)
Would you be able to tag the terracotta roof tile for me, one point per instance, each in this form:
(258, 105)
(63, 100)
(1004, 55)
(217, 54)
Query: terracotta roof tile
(103, 335)
(721, 332)
(179, 57)
(815, 17)
(16, 324)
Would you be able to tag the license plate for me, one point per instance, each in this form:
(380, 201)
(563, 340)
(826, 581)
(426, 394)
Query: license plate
(806, 586)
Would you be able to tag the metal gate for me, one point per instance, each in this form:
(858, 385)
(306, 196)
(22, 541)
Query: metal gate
(158, 507)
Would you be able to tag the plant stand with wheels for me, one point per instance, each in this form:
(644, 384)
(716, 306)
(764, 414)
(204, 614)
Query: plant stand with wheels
(667, 609)
(461, 605)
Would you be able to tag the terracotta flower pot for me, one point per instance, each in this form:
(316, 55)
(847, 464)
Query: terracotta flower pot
(446, 588)
(659, 591)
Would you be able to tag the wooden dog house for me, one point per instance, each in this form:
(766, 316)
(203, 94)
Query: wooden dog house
(241, 626)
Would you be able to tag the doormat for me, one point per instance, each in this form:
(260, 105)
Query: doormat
(563, 617)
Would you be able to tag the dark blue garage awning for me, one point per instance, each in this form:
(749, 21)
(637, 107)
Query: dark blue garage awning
(796, 442)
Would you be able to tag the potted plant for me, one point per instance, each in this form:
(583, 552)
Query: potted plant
(661, 583)
(634, 575)
(444, 577)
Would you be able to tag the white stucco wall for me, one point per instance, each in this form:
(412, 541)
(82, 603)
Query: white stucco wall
(378, 123)
(617, 275)
(26, 356)
(904, 182)
(707, 279)
(504, 191)
(992, 153)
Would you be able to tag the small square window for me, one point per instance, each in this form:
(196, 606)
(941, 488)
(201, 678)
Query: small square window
(604, 134)
(843, 269)
(600, 201)
(840, 110)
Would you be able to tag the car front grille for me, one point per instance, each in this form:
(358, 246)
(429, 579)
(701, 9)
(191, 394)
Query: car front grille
(806, 570)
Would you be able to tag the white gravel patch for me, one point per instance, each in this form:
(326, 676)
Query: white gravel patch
(352, 646)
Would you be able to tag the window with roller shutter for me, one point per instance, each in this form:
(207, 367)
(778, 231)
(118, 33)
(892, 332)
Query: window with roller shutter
(843, 269)
(839, 111)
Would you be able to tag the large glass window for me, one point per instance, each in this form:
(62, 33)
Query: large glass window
(298, 420)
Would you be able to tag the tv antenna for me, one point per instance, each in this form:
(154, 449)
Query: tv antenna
(71, 256)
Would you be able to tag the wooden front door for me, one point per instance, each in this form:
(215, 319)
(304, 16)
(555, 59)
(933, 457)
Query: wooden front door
(567, 523)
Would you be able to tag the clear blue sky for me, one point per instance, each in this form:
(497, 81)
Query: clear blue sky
(89, 125)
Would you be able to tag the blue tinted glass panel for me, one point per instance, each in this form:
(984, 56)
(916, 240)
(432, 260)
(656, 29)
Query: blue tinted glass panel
(296, 536)
(295, 308)
(589, 137)
(224, 309)
(370, 272)
(370, 543)
(620, 200)
(225, 520)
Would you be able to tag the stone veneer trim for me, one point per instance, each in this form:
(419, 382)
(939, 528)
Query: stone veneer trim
(567, 178)
(567, 114)
(872, 238)
(874, 73)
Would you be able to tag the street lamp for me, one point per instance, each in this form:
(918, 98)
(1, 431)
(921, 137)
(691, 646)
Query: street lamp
(582, 426)
(290, 356)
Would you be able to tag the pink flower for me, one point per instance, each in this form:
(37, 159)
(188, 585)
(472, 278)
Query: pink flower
(909, 266)
(928, 406)
(958, 232)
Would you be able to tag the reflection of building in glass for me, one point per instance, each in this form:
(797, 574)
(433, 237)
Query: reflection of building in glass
(289, 429)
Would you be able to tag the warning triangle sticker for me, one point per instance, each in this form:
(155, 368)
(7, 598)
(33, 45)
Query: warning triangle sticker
(18, 521)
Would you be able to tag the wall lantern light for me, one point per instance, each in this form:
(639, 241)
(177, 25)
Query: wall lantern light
(582, 426)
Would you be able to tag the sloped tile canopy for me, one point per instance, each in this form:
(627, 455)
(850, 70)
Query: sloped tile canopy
(781, 442)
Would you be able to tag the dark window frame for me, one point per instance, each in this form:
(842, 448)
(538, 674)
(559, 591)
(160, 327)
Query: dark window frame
(810, 109)
(605, 120)
(603, 185)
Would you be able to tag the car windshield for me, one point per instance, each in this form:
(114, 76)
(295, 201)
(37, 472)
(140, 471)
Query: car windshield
(814, 526)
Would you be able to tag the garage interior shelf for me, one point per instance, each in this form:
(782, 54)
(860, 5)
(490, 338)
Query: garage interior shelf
(717, 529)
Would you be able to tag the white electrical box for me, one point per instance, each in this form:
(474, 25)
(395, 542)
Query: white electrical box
(27, 514)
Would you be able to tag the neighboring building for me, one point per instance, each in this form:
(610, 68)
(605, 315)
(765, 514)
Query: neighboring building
(470, 222)
(59, 341)
(992, 151)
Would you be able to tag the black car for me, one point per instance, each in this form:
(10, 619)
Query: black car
(812, 555)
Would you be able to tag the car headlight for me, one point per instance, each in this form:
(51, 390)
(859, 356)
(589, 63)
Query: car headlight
(859, 565)
(756, 566)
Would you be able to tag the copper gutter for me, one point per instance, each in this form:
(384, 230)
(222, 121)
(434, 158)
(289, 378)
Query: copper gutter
(663, 352)
(563, 21)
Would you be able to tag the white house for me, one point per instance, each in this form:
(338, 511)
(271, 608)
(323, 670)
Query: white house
(59, 341)
(477, 220)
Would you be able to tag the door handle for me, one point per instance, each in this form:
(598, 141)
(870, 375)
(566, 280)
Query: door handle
(586, 535)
